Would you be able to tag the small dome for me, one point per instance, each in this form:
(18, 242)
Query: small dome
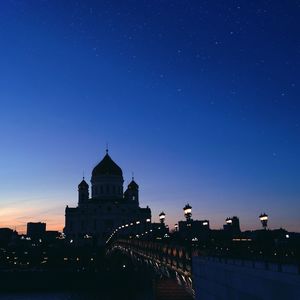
(83, 184)
(133, 185)
(107, 167)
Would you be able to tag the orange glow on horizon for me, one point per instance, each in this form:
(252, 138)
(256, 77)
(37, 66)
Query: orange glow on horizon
(16, 216)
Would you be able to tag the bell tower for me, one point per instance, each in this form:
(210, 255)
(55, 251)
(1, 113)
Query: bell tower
(132, 192)
(83, 192)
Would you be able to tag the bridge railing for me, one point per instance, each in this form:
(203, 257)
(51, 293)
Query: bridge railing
(175, 257)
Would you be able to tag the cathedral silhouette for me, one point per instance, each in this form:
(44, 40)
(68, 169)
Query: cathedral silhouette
(95, 217)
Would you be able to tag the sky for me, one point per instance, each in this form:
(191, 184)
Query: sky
(200, 99)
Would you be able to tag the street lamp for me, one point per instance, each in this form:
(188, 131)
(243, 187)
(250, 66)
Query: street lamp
(264, 220)
(228, 221)
(187, 212)
(162, 217)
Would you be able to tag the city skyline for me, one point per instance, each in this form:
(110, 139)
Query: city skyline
(200, 101)
(47, 216)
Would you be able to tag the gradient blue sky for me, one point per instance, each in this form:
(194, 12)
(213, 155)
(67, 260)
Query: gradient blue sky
(199, 98)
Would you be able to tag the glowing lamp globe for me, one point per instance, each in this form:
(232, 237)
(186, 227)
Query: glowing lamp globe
(162, 217)
(187, 212)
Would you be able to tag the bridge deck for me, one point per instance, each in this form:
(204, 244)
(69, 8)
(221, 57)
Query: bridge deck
(168, 289)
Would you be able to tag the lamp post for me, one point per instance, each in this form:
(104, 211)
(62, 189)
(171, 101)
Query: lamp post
(188, 212)
(176, 227)
(162, 217)
(264, 220)
(229, 221)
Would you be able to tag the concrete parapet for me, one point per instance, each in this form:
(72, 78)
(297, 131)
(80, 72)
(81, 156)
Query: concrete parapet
(219, 278)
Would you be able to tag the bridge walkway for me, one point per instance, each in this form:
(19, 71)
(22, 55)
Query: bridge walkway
(168, 289)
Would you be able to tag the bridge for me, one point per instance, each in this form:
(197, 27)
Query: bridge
(147, 245)
(204, 274)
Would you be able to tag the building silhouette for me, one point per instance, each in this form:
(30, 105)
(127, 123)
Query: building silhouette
(194, 229)
(6, 236)
(36, 230)
(232, 225)
(108, 208)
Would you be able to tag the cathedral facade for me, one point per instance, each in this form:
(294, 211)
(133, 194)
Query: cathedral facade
(108, 208)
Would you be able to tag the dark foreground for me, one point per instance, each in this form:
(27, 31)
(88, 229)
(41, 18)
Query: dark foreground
(61, 296)
(119, 279)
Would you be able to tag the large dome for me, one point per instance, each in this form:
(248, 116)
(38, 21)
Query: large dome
(107, 167)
